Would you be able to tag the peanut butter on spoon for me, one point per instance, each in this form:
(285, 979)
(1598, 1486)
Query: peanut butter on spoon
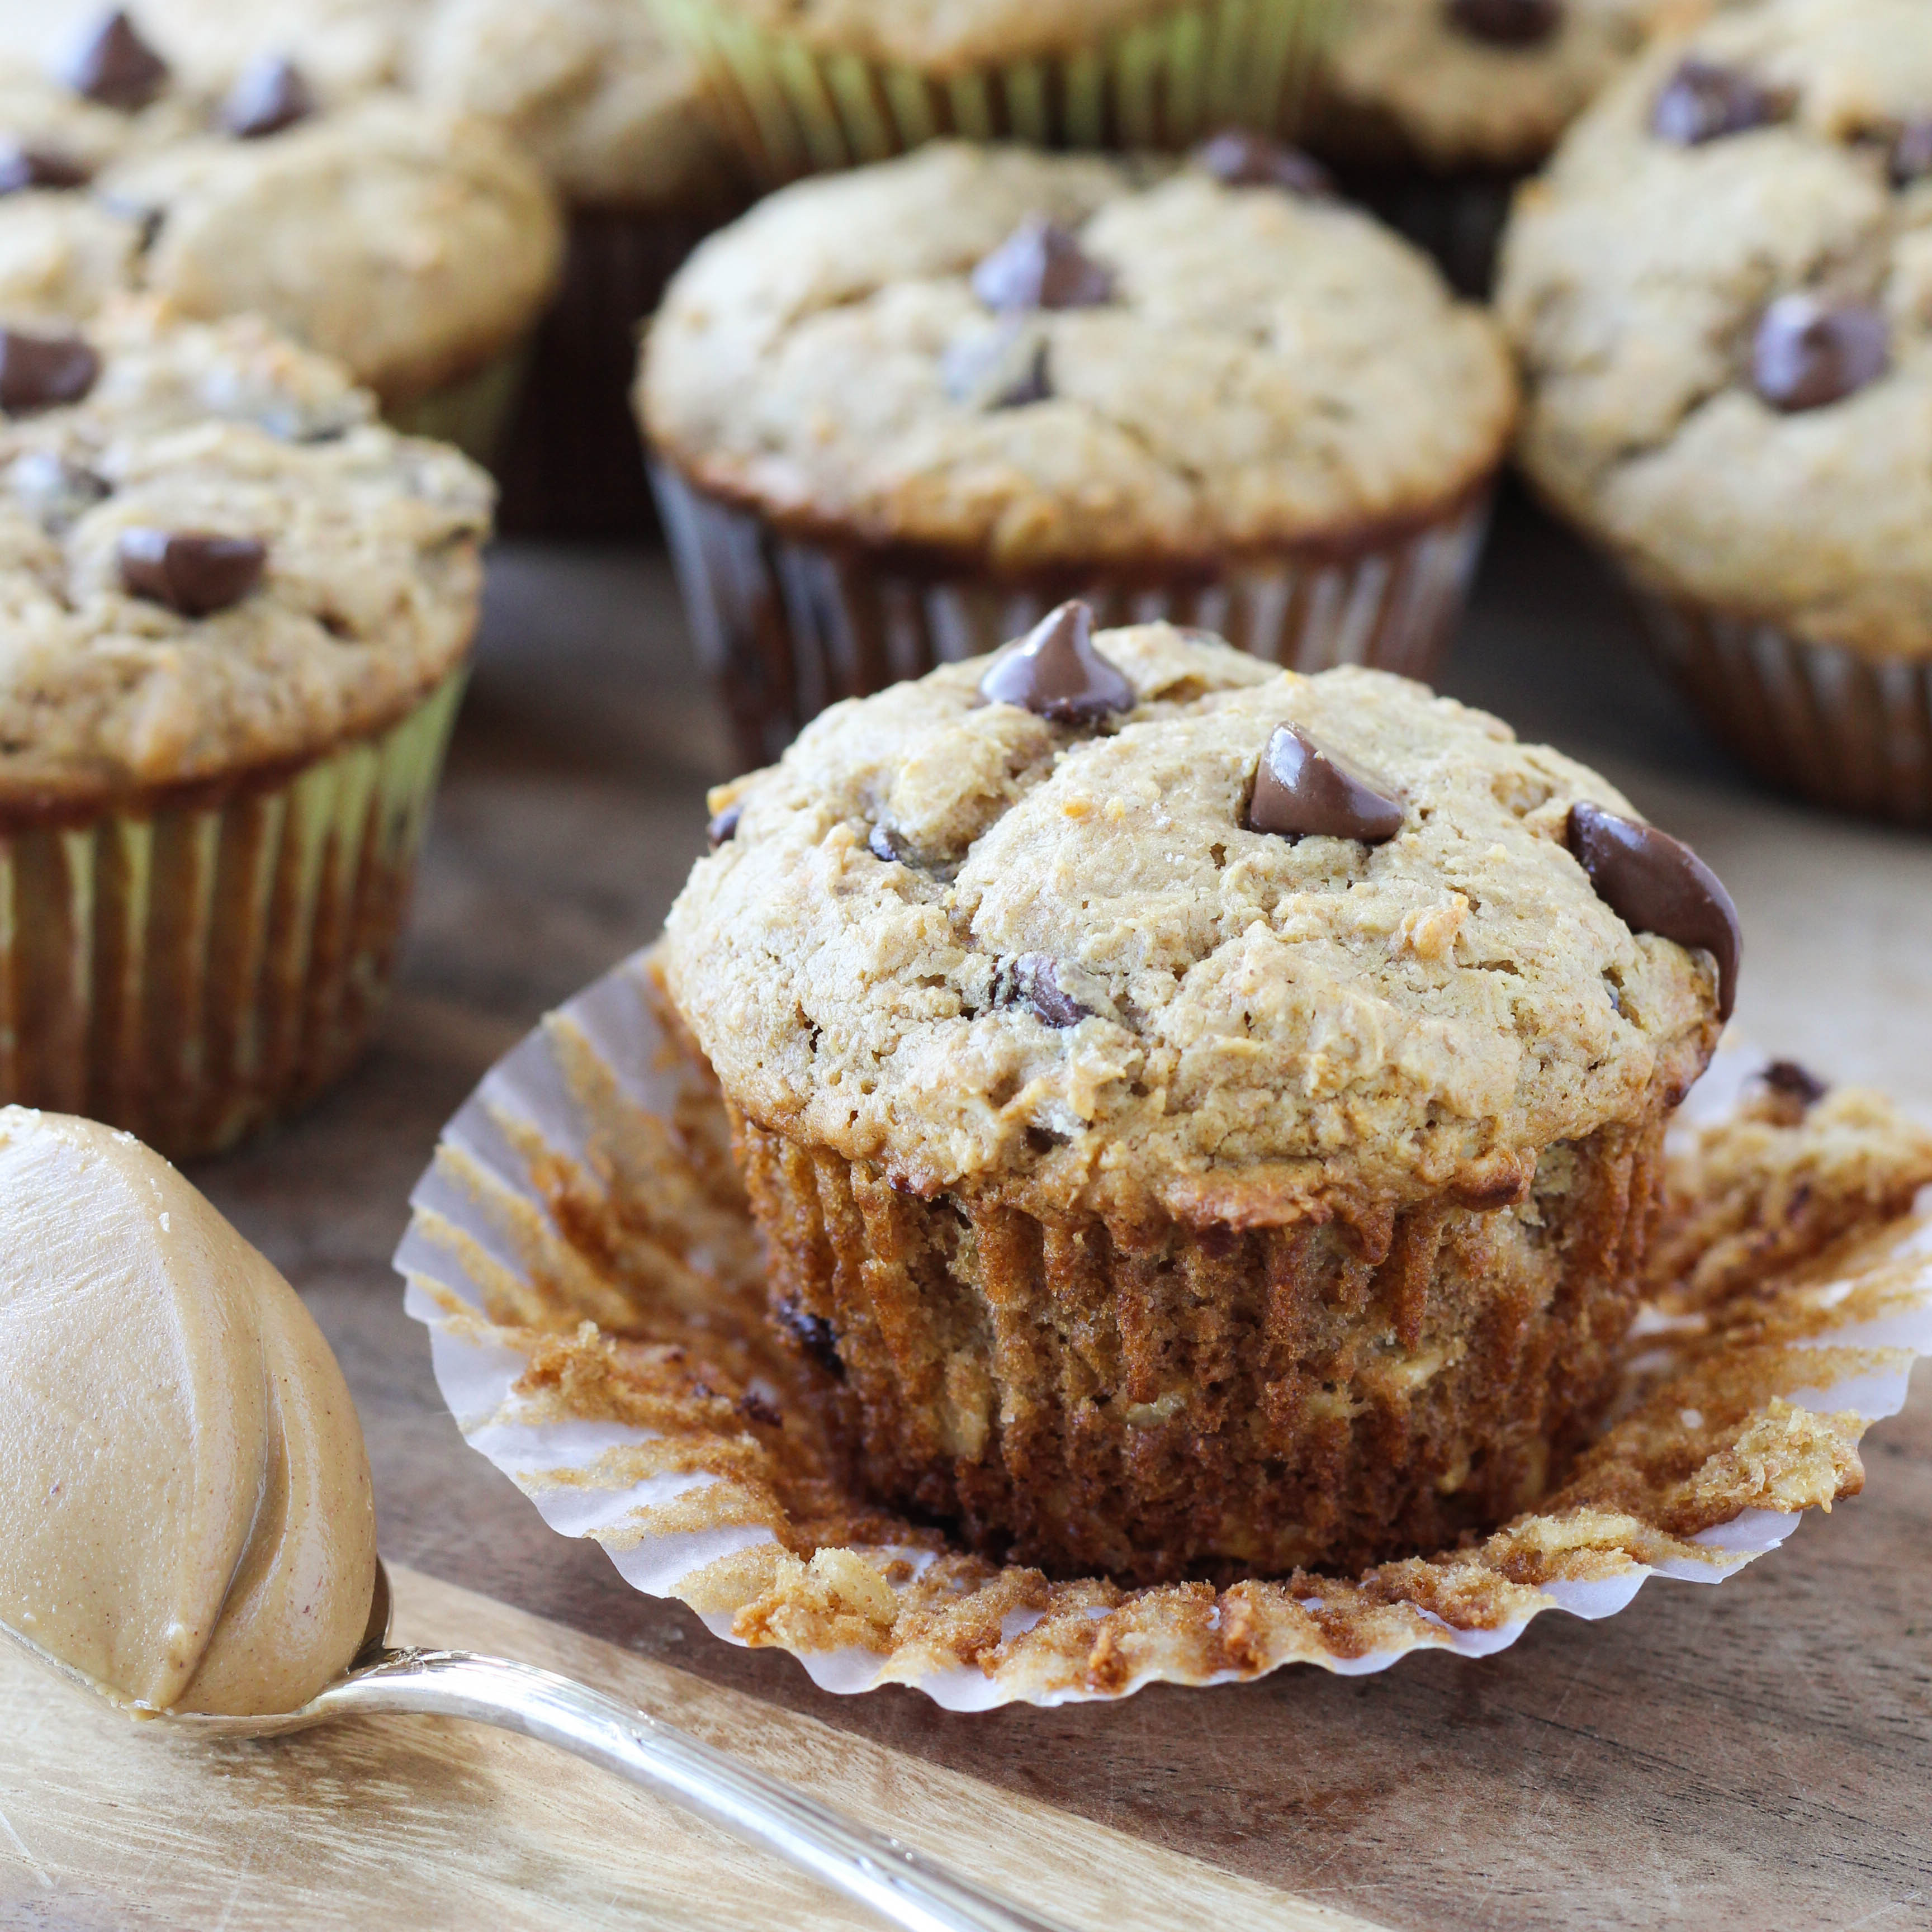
(186, 1513)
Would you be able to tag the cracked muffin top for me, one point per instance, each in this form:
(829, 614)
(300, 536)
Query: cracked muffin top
(1477, 83)
(211, 557)
(1721, 294)
(1025, 359)
(978, 945)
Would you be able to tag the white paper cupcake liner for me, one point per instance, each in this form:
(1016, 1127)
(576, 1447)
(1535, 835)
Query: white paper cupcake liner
(786, 626)
(582, 1178)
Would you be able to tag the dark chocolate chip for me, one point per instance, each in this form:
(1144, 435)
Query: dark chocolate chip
(21, 168)
(815, 1336)
(1005, 368)
(1304, 792)
(886, 847)
(755, 1408)
(1031, 981)
(116, 67)
(1790, 1082)
(1702, 101)
(1911, 157)
(1041, 265)
(1055, 673)
(1243, 160)
(271, 95)
(1506, 23)
(724, 828)
(1655, 883)
(1808, 353)
(41, 372)
(56, 490)
(196, 572)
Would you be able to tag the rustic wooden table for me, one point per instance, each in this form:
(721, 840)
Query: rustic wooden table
(1757, 1757)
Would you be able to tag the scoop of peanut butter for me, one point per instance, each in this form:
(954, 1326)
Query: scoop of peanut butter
(186, 1515)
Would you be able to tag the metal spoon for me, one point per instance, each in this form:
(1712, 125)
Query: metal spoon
(901, 1887)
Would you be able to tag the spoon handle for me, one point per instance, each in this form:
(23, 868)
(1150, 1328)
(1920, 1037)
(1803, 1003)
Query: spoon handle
(898, 1885)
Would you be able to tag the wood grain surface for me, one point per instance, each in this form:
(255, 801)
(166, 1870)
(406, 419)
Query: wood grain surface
(1757, 1756)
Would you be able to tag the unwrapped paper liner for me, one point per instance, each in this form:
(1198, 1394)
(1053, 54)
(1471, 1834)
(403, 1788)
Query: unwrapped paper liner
(551, 1205)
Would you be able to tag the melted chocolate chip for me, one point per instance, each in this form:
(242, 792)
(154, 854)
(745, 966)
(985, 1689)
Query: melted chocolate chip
(41, 372)
(887, 846)
(1808, 353)
(1911, 157)
(1790, 1082)
(21, 168)
(1055, 673)
(1242, 160)
(116, 67)
(724, 828)
(1506, 23)
(815, 1336)
(1041, 265)
(1303, 792)
(1031, 981)
(1655, 883)
(1005, 369)
(1702, 101)
(755, 1408)
(55, 491)
(271, 95)
(195, 572)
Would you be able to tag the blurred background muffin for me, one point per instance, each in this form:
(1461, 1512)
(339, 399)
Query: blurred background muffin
(898, 412)
(1721, 294)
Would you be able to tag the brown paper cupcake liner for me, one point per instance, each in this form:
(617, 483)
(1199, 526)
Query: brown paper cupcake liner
(582, 1253)
(787, 625)
(192, 966)
(1195, 66)
(1823, 722)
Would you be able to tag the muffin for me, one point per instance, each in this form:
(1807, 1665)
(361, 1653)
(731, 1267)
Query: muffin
(1433, 109)
(898, 413)
(1204, 1120)
(610, 109)
(1721, 295)
(418, 247)
(239, 609)
(828, 83)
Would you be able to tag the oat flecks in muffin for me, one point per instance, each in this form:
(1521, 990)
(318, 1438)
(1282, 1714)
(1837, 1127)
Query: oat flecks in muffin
(1675, 409)
(1269, 371)
(1255, 1009)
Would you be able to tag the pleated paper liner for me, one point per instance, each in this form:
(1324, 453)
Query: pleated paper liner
(786, 625)
(1189, 68)
(1827, 724)
(192, 967)
(582, 1255)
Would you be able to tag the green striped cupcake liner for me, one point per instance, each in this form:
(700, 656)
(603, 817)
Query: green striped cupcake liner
(1196, 66)
(474, 411)
(194, 966)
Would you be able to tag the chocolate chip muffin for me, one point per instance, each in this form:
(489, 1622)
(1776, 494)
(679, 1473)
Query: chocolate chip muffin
(238, 613)
(900, 412)
(417, 246)
(1721, 294)
(1205, 1120)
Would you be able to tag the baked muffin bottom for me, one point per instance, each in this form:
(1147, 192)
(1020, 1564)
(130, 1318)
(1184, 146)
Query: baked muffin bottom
(1168, 1402)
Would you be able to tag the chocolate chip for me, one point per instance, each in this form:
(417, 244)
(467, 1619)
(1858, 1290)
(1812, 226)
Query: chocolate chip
(885, 846)
(1506, 23)
(1031, 981)
(1911, 157)
(195, 572)
(1055, 673)
(1239, 159)
(41, 372)
(1655, 883)
(1808, 353)
(116, 67)
(1702, 101)
(1790, 1082)
(55, 491)
(815, 1336)
(755, 1408)
(21, 168)
(271, 95)
(724, 828)
(1304, 792)
(1041, 265)
(1004, 368)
